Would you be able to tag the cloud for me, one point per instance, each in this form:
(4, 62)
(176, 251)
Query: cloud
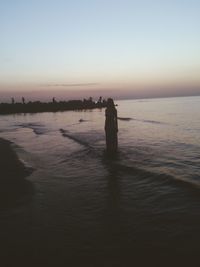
(71, 84)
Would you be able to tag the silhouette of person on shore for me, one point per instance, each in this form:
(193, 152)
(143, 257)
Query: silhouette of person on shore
(23, 100)
(111, 127)
(13, 100)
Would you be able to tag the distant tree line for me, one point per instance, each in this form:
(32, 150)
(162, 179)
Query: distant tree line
(53, 106)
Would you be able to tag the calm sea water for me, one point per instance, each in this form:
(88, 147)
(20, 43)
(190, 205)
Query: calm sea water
(89, 209)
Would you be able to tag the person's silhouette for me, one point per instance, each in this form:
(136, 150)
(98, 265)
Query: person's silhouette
(111, 127)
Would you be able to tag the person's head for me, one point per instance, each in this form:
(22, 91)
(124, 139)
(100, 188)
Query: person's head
(110, 103)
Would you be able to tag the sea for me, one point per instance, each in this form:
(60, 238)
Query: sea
(89, 209)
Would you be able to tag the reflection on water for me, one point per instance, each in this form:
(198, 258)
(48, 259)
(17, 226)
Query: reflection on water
(90, 209)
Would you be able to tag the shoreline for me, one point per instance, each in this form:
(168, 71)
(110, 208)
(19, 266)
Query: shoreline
(38, 107)
(13, 185)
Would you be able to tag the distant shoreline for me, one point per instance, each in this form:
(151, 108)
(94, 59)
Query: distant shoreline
(54, 106)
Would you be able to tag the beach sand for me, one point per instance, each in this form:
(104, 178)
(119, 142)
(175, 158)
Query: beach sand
(13, 185)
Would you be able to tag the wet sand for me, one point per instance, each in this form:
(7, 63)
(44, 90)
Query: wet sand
(13, 185)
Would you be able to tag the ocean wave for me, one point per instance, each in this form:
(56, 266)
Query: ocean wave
(37, 128)
(141, 120)
(149, 176)
(149, 121)
(65, 133)
(117, 164)
(124, 118)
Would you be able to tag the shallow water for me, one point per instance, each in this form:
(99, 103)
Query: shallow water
(104, 210)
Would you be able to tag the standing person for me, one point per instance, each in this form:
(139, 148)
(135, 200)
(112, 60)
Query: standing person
(111, 127)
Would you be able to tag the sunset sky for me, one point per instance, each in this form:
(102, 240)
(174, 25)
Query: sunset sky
(126, 47)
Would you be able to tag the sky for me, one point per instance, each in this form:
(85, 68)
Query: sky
(138, 48)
